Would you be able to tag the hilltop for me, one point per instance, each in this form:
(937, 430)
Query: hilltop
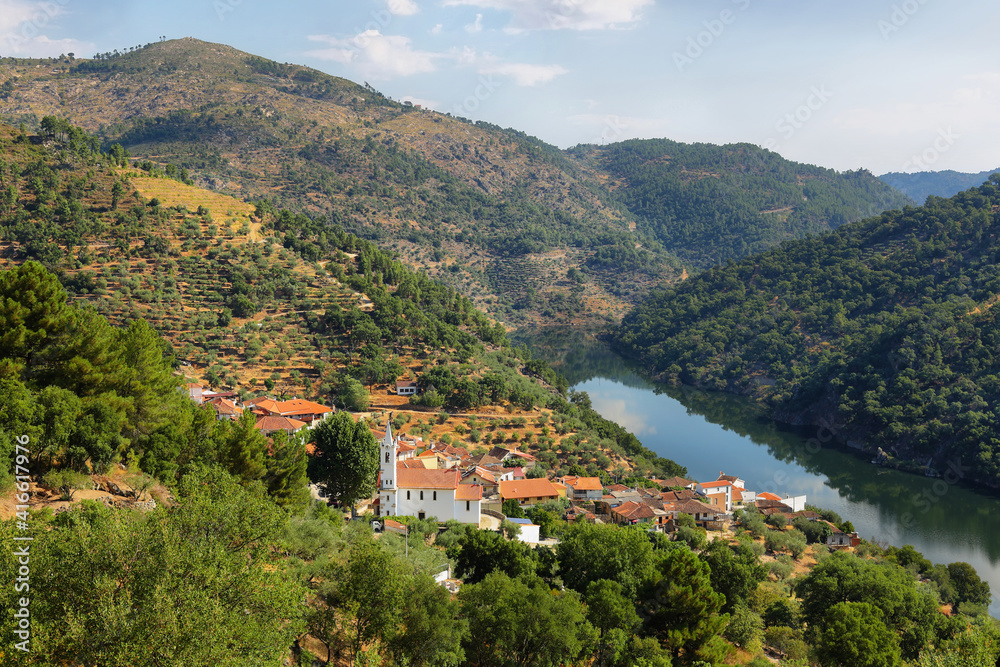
(922, 185)
(534, 235)
(884, 332)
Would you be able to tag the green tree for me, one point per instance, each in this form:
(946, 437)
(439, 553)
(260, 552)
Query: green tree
(969, 587)
(243, 448)
(512, 509)
(735, 571)
(520, 622)
(345, 463)
(191, 585)
(589, 552)
(480, 552)
(430, 632)
(353, 395)
(685, 612)
(286, 478)
(843, 577)
(853, 634)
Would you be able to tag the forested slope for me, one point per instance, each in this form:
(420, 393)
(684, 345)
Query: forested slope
(885, 331)
(921, 185)
(709, 204)
(534, 235)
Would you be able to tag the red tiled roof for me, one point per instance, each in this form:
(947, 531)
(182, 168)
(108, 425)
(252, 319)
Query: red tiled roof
(483, 474)
(469, 492)
(586, 484)
(767, 495)
(413, 463)
(273, 423)
(528, 488)
(415, 478)
(673, 481)
(224, 407)
(712, 485)
(300, 406)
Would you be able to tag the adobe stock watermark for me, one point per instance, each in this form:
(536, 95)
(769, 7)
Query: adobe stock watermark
(942, 143)
(22, 546)
(483, 91)
(30, 28)
(899, 16)
(701, 41)
(793, 121)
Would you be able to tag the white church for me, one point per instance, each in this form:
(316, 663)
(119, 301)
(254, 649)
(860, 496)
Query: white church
(424, 493)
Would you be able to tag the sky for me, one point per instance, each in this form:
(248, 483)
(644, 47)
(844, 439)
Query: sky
(886, 85)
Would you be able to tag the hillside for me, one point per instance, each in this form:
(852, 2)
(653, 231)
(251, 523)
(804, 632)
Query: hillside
(257, 300)
(884, 332)
(534, 235)
(922, 185)
(498, 215)
(709, 204)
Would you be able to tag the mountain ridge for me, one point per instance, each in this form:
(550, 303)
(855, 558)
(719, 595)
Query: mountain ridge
(532, 234)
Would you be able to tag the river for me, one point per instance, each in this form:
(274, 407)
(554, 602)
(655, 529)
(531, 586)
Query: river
(709, 432)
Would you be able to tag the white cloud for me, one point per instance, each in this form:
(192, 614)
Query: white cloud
(436, 30)
(376, 55)
(475, 26)
(969, 108)
(22, 30)
(563, 14)
(525, 74)
(402, 7)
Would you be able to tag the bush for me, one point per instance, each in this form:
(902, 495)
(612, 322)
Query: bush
(66, 482)
(745, 629)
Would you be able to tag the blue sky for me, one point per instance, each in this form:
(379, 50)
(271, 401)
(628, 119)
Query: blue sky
(889, 85)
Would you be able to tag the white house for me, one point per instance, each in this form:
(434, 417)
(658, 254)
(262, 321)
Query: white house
(719, 493)
(422, 492)
(529, 531)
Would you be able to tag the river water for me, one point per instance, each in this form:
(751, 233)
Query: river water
(710, 432)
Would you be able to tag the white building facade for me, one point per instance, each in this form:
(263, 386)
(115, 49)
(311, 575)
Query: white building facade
(424, 493)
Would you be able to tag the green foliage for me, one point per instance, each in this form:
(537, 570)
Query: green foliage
(685, 612)
(115, 587)
(525, 621)
(512, 509)
(710, 204)
(345, 463)
(909, 612)
(592, 552)
(745, 629)
(882, 326)
(480, 552)
(854, 634)
(735, 571)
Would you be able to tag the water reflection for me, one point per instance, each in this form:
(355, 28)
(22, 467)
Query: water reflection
(709, 432)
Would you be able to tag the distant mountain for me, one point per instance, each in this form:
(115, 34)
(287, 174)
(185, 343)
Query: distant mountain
(709, 204)
(921, 185)
(534, 235)
(885, 332)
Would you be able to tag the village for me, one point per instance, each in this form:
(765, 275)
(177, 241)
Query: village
(441, 481)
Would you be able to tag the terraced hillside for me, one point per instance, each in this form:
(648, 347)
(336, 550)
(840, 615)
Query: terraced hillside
(534, 235)
(253, 299)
